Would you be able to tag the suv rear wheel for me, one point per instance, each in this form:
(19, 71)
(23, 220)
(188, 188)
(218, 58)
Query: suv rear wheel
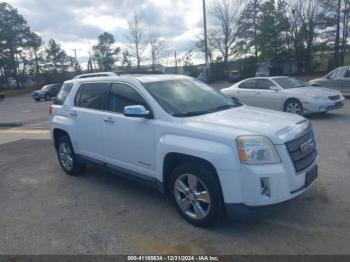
(67, 158)
(196, 194)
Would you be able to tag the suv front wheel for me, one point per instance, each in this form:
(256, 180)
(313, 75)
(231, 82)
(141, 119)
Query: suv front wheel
(196, 194)
(67, 158)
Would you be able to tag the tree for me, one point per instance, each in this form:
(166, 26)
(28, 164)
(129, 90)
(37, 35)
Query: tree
(104, 52)
(225, 14)
(187, 62)
(36, 43)
(157, 47)
(248, 28)
(135, 37)
(334, 25)
(304, 21)
(126, 62)
(273, 24)
(200, 45)
(55, 58)
(15, 35)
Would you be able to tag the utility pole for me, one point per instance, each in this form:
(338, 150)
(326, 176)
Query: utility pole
(205, 39)
(175, 63)
(76, 61)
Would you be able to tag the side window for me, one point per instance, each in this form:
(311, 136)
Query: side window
(249, 84)
(347, 73)
(62, 95)
(122, 95)
(92, 95)
(264, 84)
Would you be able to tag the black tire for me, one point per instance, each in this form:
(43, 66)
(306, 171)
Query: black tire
(208, 177)
(76, 168)
(37, 100)
(47, 97)
(291, 102)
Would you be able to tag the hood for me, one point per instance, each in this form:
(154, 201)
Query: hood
(312, 90)
(317, 80)
(245, 120)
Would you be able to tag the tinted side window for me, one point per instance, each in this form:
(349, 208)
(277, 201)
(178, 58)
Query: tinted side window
(264, 84)
(347, 73)
(93, 95)
(249, 84)
(62, 95)
(122, 95)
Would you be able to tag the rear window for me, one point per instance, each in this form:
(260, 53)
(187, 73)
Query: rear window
(63, 94)
(92, 95)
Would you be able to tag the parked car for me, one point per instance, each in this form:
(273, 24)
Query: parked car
(47, 92)
(338, 79)
(206, 78)
(2, 96)
(234, 76)
(285, 94)
(182, 137)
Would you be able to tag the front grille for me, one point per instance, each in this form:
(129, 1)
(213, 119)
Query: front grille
(333, 98)
(302, 160)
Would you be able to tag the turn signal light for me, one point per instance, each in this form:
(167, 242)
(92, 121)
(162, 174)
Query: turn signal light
(50, 110)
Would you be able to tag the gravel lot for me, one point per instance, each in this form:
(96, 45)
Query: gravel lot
(43, 211)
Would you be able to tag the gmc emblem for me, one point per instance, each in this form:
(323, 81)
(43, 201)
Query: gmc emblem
(307, 146)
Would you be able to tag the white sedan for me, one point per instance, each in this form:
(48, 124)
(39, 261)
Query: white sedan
(284, 94)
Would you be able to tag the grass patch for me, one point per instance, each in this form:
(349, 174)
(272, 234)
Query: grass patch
(17, 92)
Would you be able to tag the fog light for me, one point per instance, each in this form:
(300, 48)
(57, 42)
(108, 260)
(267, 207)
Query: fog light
(265, 187)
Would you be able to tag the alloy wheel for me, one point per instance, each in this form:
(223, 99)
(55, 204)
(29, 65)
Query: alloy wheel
(192, 196)
(294, 107)
(66, 156)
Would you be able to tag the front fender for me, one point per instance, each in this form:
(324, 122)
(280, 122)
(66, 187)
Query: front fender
(220, 155)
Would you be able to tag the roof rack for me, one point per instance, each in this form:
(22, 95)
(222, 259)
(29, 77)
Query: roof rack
(100, 74)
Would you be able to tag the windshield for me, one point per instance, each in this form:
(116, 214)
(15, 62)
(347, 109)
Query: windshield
(45, 88)
(187, 97)
(288, 83)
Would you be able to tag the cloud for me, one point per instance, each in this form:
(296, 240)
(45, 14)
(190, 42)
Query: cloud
(77, 23)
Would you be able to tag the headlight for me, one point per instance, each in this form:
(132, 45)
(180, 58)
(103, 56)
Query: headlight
(256, 150)
(319, 97)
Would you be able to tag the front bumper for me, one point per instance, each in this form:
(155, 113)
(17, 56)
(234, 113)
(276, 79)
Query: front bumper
(322, 106)
(241, 210)
(246, 186)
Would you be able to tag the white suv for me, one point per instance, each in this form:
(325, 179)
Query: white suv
(184, 138)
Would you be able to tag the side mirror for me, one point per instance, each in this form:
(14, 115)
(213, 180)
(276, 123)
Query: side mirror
(137, 111)
(275, 88)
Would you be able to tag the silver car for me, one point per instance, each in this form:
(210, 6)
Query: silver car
(284, 94)
(338, 79)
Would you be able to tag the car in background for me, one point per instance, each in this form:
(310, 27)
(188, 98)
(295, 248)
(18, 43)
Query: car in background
(206, 77)
(234, 76)
(284, 94)
(338, 79)
(2, 96)
(47, 92)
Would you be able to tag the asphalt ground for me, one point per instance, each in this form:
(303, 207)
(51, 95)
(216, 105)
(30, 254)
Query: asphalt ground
(44, 211)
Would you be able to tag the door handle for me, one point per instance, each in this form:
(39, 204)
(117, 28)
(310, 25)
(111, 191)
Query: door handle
(74, 114)
(257, 92)
(109, 120)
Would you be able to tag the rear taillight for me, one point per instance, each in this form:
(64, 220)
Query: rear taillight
(50, 110)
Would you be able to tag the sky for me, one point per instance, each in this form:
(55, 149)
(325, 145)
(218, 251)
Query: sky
(75, 24)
